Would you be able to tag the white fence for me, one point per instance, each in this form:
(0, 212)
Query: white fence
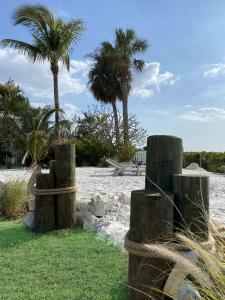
(140, 157)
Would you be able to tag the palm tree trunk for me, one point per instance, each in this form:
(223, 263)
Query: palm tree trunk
(125, 111)
(116, 123)
(55, 71)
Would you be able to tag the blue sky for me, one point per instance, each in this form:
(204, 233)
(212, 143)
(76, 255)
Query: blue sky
(182, 90)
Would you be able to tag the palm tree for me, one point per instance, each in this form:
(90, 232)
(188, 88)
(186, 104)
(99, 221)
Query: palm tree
(53, 41)
(104, 84)
(127, 45)
(37, 142)
(31, 135)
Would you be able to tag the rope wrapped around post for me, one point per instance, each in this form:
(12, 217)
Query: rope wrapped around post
(152, 250)
(53, 191)
(176, 281)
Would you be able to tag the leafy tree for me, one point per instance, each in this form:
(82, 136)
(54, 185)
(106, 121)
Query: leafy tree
(12, 99)
(127, 45)
(13, 105)
(96, 137)
(53, 41)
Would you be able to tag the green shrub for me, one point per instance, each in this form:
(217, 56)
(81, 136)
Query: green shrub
(211, 161)
(126, 152)
(91, 151)
(13, 199)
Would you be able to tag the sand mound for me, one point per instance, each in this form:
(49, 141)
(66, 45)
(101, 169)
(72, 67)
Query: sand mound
(194, 167)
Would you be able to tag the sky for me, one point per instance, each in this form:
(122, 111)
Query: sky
(181, 92)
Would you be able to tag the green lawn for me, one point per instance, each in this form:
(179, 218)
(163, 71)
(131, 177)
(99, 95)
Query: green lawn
(70, 264)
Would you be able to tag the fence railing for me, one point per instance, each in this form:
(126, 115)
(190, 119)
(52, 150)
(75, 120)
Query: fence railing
(140, 156)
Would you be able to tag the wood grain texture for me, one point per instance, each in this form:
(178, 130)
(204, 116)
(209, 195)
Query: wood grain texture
(192, 200)
(44, 217)
(151, 221)
(164, 158)
(65, 177)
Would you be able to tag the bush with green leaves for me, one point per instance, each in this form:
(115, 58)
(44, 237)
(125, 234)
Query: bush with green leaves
(126, 152)
(211, 161)
(13, 198)
(90, 151)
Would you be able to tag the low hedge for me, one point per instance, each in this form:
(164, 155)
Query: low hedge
(210, 161)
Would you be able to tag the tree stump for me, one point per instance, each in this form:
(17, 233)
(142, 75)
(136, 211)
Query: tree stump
(65, 177)
(44, 217)
(164, 158)
(192, 202)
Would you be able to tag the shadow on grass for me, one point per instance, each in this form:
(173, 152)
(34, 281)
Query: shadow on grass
(119, 292)
(13, 233)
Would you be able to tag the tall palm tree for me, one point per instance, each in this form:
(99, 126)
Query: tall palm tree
(104, 84)
(127, 45)
(53, 41)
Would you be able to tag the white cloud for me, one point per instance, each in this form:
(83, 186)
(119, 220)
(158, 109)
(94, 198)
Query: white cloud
(142, 92)
(151, 79)
(69, 110)
(188, 106)
(36, 78)
(215, 70)
(204, 114)
(161, 112)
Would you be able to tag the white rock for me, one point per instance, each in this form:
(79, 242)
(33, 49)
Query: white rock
(81, 210)
(124, 199)
(194, 167)
(32, 205)
(112, 204)
(98, 205)
(29, 220)
(90, 222)
(114, 231)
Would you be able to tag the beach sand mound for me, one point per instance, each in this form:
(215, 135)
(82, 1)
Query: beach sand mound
(195, 167)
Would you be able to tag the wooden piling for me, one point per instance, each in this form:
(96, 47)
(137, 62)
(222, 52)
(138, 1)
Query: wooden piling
(192, 202)
(151, 221)
(44, 217)
(65, 177)
(164, 158)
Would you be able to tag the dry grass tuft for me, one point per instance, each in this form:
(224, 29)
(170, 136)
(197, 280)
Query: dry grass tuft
(13, 199)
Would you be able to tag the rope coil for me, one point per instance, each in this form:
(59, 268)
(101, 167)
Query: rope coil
(152, 250)
(53, 191)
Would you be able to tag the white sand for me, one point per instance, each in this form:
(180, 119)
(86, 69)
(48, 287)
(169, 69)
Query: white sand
(100, 180)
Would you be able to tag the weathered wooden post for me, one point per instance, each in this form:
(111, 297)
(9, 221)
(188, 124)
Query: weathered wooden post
(164, 158)
(192, 202)
(151, 219)
(44, 216)
(64, 178)
(55, 192)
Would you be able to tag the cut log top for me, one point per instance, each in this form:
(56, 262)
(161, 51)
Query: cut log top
(164, 158)
(164, 148)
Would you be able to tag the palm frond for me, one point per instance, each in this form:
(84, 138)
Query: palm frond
(107, 47)
(66, 61)
(24, 48)
(138, 64)
(35, 17)
(45, 117)
(140, 45)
